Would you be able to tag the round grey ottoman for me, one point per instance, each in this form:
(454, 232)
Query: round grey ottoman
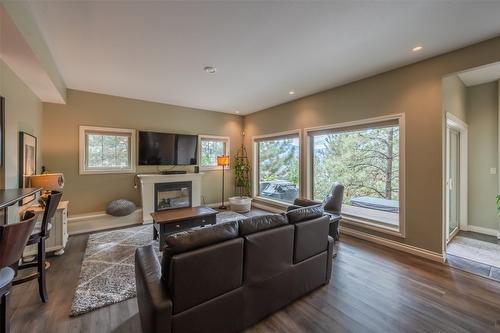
(120, 207)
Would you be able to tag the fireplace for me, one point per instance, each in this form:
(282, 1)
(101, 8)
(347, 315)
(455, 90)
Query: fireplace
(173, 195)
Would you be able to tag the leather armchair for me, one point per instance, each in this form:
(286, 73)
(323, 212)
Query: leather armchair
(332, 206)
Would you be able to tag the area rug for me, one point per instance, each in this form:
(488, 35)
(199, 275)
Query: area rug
(473, 249)
(228, 216)
(107, 275)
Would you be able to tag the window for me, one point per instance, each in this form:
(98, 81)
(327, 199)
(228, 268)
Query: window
(210, 148)
(276, 167)
(366, 158)
(106, 150)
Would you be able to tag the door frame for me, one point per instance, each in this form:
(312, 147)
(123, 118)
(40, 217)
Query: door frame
(455, 123)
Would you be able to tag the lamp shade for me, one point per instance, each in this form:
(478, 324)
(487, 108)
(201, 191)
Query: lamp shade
(223, 160)
(48, 181)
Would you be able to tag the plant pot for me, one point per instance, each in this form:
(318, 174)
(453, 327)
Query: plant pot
(240, 204)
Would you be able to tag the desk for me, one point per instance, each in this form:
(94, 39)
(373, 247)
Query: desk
(10, 197)
(59, 233)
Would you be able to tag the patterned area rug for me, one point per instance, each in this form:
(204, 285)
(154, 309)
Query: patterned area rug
(473, 249)
(228, 216)
(107, 275)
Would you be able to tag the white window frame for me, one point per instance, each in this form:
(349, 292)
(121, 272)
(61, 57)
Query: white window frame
(227, 141)
(109, 130)
(255, 166)
(359, 221)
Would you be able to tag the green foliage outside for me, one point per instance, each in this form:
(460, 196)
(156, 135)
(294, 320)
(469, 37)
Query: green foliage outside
(107, 151)
(279, 160)
(210, 150)
(365, 161)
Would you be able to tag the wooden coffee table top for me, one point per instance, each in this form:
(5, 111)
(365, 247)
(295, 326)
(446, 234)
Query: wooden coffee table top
(175, 215)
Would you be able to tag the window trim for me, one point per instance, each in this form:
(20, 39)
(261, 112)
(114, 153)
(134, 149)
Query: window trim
(353, 219)
(83, 150)
(255, 165)
(226, 139)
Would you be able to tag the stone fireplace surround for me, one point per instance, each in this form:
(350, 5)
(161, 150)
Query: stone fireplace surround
(148, 182)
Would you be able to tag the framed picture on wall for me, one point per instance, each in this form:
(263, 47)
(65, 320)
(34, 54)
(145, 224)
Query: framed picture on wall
(27, 162)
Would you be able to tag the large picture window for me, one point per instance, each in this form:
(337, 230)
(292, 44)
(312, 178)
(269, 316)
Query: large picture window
(366, 159)
(276, 165)
(106, 150)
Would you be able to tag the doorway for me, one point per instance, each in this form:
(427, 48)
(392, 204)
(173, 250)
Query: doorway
(453, 184)
(456, 176)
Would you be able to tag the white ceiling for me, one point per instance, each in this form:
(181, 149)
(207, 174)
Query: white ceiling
(480, 75)
(157, 50)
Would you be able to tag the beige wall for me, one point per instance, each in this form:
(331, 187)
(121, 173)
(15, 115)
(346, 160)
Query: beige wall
(454, 93)
(92, 193)
(415, 90)
(482, 118)
(23, 112)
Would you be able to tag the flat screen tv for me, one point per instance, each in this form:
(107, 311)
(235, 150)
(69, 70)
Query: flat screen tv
(167, 149)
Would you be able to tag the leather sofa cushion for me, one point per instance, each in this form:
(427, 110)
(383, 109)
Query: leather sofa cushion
(265, 297)
(305, 213)
(260, 223)
(220, 314)
(196, 238)
(311, 238)
(203, 274)
(193, 239)
(310, 274)
(268, 253)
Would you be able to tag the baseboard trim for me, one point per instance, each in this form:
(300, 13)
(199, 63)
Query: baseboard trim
(100, 221)
(417, 251)
(484, 231)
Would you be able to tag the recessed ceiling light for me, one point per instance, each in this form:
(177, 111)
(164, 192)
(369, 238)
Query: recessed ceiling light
(210, 69)
(237, 112)
(417, 48)
(291, 93)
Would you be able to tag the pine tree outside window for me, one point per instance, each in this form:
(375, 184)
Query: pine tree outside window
(367, 157)
(276, 167)
(210, 148)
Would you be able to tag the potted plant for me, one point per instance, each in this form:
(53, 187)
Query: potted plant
(241, 166)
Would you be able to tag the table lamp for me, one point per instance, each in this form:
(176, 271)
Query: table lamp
(223, 161)
(48, 182)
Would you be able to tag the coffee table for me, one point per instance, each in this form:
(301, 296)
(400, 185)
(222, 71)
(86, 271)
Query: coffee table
(175, 220)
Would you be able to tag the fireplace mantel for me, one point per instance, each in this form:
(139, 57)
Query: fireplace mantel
(148, 182)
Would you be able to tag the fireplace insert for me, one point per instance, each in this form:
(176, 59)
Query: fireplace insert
(172, 195)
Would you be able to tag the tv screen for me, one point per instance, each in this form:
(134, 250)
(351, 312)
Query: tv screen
(167, 149)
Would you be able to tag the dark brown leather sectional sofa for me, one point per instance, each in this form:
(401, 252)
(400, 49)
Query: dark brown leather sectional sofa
(226, 277)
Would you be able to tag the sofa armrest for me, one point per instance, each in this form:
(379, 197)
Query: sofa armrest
(292, 207)
(302, 202)
(153, 298)
(329, 259)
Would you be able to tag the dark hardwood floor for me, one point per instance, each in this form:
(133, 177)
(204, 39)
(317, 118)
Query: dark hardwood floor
(373, 289)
